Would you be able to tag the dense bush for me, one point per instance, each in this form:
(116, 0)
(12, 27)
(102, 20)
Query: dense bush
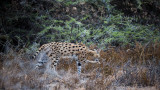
(88, 21)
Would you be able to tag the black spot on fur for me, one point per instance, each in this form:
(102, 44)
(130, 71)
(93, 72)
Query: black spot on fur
(72, 53)
(79, 64)
(50, 55)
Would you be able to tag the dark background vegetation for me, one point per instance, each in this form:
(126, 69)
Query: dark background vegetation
(122, 22)
(127, 31)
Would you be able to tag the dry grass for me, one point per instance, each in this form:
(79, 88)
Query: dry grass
(121, 68)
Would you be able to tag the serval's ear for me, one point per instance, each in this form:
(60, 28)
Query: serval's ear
(97, 51)
(93, 46)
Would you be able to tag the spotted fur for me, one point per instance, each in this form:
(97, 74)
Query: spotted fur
(57, 50)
